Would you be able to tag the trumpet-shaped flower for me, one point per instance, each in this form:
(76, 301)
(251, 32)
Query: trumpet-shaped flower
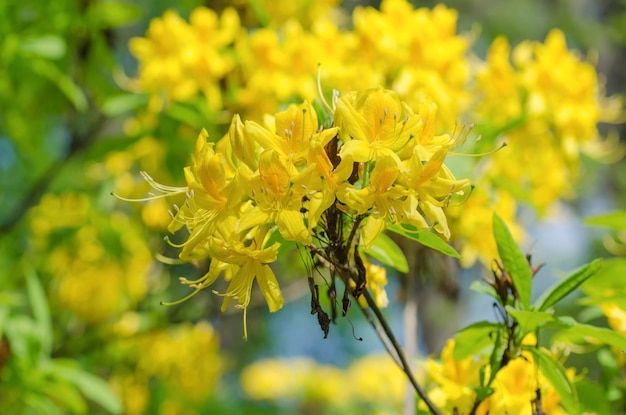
(277, 198)
(375, 122)
(384, 201)
(434, 185)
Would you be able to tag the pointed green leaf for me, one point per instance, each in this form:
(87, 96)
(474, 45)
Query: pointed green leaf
(481, 287)
(62, 81)
(530, 320)
(613, 220)
(89, 385)
(426, 238)
(592, 397)
(578, 332)
(123, 103)
(559, 291)
(555, 373)
(513, 260)
(389, 253)
(608, 282)
(39, 303)
(495, 360)
(47, 46)
(474, 339)
(113, 13)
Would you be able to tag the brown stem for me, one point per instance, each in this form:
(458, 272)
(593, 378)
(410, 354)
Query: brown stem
(405, 364)
(388, 346)
(347, 275)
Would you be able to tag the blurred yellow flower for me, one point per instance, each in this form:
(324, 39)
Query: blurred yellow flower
(97, 246)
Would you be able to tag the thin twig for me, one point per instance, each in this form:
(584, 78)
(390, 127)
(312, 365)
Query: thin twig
(388, 346)
(404, 363)
(346, 275)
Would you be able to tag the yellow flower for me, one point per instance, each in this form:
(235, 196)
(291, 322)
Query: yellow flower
(212, 196)
(278, 198)
(249, 261)
(515, 388)
(376, 379)
(382, 199)
(182, 59)
(422, 65)
(434, 185)
(616, 316)
(454, 380)
(553, 102)
(375, 122)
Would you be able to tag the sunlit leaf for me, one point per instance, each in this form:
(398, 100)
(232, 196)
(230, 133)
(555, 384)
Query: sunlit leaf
(513, 260)
(613, 220)
(578, 332)
(426, 238)
(93, 387)
(474, 339)
(114, 13)
(481, 287)
(389, 253)
(120, 104)
(39, 304)
(48, 46)
(529, 320)
(608, 281)
(559, 291)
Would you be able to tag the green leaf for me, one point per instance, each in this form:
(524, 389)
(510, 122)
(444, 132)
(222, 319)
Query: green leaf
(47, 46)
(559, 291)
(578, 332)
(513, 260)
(530, 320)
(474, 339)
(481, 287)
(426, 238)
(613, 220)
(608, 283)
(41, 311)
(483, 392)
(35, 403)
(495, 360)
(90, 385)
(4, 318)
(592, 397)
(389, 253)
(65, 84)
(123, 103)
(113, 13)
(555, 373)
(65, 394)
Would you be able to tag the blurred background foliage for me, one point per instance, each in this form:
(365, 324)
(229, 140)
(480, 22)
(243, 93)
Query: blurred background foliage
(81, 325)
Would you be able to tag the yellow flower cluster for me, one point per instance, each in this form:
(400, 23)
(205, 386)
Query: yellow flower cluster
(378, 381)
(545, 105)
(184, 358)
(548, 104)
(543, 100)
(450, 386)
(372, 380)
(180, 59)
(380, 163)
(99, 261)
(269, 66)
